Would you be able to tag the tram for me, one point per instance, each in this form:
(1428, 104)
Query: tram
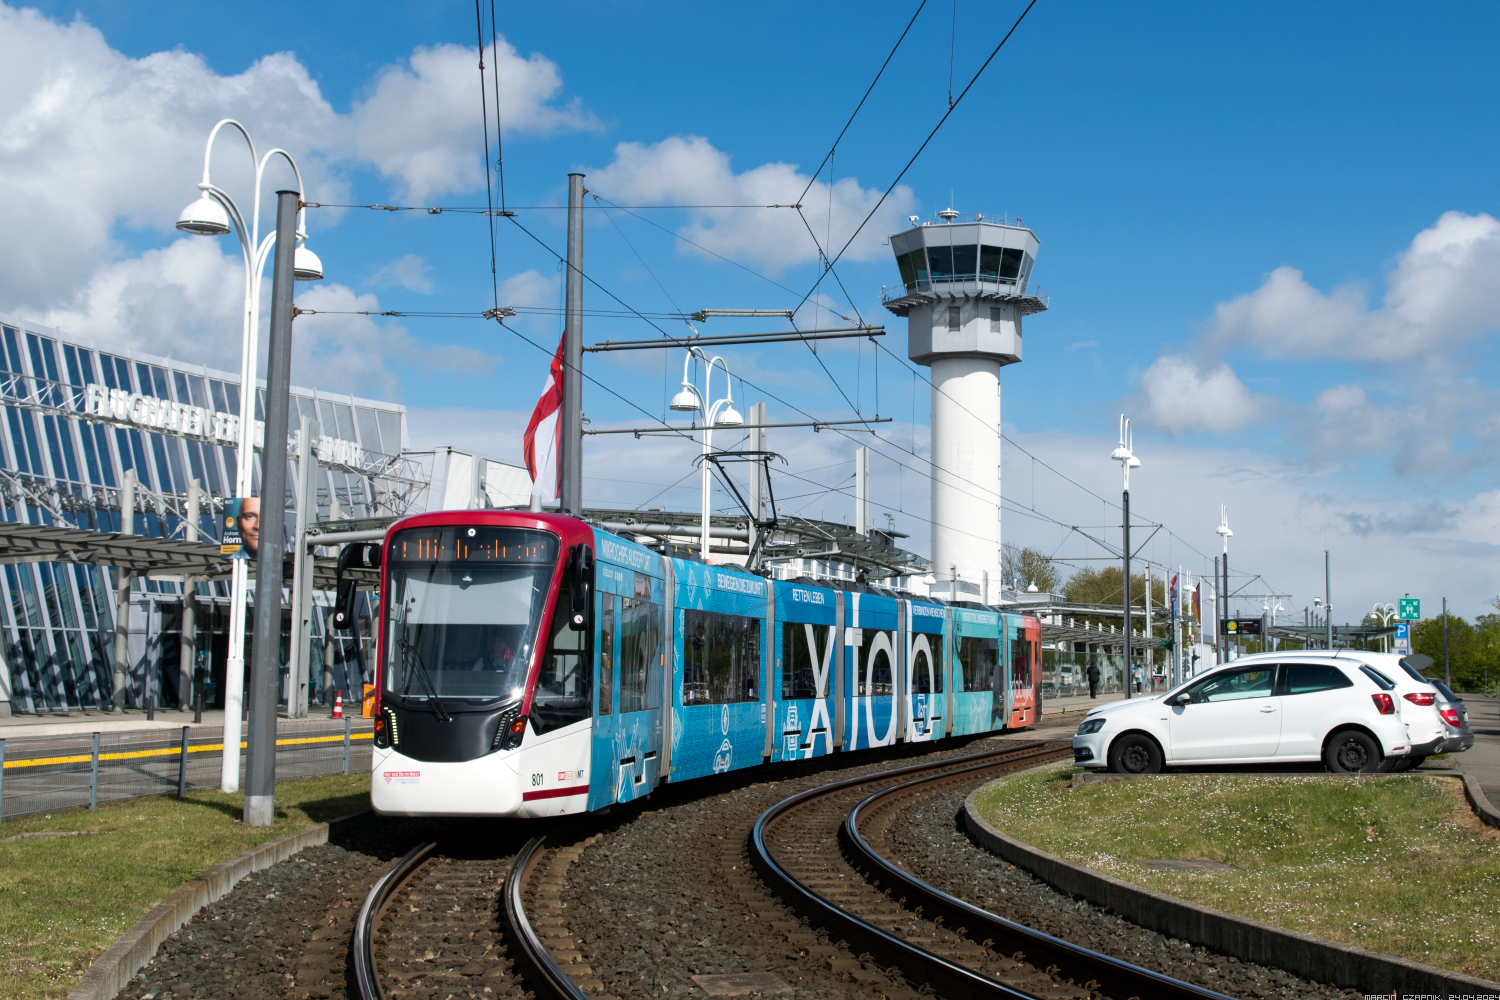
(530, 664)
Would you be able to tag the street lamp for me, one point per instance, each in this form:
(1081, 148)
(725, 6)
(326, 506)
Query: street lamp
(215, 213)
(1385, 612)
(720, 413)
(1125, 455)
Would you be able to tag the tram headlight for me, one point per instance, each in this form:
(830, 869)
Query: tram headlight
(386, 732)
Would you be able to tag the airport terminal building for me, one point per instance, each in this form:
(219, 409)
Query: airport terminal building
(78, 420)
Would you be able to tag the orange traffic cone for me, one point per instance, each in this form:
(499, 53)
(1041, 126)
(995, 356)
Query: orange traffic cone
(338, 705)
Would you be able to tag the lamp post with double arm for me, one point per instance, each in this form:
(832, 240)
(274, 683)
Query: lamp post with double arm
(215, 213)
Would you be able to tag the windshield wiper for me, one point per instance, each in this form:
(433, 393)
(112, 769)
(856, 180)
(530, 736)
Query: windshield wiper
(414, 658)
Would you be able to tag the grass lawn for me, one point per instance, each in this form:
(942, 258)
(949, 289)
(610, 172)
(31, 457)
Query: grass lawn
(1394, 863)
(63, 900)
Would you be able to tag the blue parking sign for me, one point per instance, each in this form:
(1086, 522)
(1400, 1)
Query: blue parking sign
(1403, 630)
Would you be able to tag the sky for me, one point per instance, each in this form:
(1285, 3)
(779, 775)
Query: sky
(1268, 233)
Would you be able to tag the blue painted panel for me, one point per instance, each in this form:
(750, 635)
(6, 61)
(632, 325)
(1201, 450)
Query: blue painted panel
(927, 617)
(796, 603)
(804, 729)
(604, 771)
(710, 739)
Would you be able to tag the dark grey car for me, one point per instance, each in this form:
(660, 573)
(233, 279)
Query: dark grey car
(1455, 719)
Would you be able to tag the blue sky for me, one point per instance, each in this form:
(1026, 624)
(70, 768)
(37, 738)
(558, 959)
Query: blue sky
(1171, 158)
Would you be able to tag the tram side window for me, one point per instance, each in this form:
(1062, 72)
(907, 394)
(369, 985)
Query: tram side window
(640, 655)
(875, 675)
(927, 667)
(720, 658)
(607, 660)
(1021, 653)
(564, 687)
(800, 663)
(978, 657)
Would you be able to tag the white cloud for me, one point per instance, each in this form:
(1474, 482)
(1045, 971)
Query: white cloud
(418, 127)
(409, 272)
(91, 139)
(1181, 396)
(1443, 291)
(530, 288)
(184, 301)
(360, 350)
(688, 170)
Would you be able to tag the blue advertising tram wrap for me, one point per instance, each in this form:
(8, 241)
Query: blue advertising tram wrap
(531, 664)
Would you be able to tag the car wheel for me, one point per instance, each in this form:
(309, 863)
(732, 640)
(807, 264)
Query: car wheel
(1135, 754)
(1351, 751)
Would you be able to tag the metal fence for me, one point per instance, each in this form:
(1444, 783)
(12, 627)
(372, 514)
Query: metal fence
(43, 773)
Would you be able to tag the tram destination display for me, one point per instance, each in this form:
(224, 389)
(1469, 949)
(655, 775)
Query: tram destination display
(478, 544)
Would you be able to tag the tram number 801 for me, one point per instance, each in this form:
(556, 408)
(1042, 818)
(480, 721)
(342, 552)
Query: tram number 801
(536, 779)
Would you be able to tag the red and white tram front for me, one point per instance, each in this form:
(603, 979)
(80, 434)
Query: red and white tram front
(483, 678)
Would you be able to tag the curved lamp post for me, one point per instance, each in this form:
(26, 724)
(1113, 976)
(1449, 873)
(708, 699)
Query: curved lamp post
(1385, 612)
(1125, 455)
(720, 413)
(215, 213)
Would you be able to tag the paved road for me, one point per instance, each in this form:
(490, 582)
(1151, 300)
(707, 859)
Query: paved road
(1482, 760)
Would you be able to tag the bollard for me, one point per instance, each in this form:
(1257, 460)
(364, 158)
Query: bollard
(2, 777)
(182, 766)
(348, 722)
(151, 707)
(198, 705)
(94, 776)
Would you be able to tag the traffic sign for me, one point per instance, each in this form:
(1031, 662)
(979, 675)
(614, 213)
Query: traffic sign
(1403, 631)
(1240, 626)
(1410, 607)
(1402, 645)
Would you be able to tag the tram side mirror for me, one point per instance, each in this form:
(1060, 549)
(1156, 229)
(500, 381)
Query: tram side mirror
(358, 555)
(581, 563)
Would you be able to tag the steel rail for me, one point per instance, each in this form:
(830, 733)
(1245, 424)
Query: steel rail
(949, 979)
(365, 973)
(545, 977)
(1115, 977)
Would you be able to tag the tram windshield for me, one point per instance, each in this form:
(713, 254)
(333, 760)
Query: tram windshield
(465, 607)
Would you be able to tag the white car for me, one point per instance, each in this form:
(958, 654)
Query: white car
(1419, 703)
(1263, 708)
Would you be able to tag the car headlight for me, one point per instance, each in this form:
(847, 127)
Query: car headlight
(1090, 726)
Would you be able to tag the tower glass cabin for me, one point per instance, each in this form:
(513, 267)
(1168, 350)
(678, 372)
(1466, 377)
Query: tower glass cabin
(965, 287)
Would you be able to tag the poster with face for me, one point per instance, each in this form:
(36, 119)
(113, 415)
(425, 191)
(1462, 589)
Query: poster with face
(240, 538)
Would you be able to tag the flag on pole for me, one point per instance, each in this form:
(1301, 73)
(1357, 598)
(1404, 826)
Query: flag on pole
(543, 442)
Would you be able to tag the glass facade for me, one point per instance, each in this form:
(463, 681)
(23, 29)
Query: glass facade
(62, 464)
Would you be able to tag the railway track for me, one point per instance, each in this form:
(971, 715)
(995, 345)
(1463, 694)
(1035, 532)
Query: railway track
(440, 921)
(821, 852)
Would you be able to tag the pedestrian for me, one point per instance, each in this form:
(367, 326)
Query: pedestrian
(1137, 680)
(1093, 673)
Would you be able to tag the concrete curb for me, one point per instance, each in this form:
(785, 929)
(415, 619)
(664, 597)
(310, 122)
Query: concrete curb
(1479, 800)
(111, 971)
(1248, 940)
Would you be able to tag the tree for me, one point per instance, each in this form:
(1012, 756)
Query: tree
(1029, 567)
(1106, 586)
(1473, 649)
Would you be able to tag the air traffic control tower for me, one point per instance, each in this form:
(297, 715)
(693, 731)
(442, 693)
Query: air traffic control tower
(964, 289)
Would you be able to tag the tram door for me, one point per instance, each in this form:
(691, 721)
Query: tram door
(925, 671)
(604, 776)
(642, 649)
(871, 639)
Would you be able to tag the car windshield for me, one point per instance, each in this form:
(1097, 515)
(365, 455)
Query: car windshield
(465, 605)
(1445, 691)
(1381, 680)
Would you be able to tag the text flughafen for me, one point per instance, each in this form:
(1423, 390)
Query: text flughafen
(186, 420)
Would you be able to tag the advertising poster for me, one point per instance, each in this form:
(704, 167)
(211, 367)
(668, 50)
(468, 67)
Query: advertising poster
(240, 538)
